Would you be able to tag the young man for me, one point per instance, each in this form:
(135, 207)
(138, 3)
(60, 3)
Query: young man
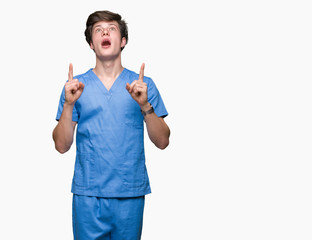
(108, 104)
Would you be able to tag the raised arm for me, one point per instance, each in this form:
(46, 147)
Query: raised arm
(63, 133)
(157, 129)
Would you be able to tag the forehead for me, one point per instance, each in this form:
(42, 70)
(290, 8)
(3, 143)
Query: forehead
(105, 24)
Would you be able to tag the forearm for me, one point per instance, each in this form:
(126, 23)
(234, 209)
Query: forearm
(158, 131)
(64, 131)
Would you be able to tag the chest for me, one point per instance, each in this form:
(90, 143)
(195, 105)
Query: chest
(108, 83)
(108, 108)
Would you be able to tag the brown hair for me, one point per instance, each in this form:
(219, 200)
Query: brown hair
(105, 16)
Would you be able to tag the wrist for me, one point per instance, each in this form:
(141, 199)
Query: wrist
(149, 110)
(68, 105)
(147, 106)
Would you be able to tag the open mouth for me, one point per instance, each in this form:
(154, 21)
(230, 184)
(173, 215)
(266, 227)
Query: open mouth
(106, 43)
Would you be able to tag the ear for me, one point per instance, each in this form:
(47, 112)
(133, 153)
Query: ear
(91, 46)
(123, 42)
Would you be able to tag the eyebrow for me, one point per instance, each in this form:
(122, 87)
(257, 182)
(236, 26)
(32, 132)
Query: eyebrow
(110, 24)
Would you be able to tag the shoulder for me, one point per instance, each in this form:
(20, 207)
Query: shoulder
(134, 76)
(85, 77)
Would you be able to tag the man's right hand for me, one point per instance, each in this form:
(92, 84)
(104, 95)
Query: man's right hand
(73, 88)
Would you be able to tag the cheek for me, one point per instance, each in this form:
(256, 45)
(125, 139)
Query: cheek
(94, 42)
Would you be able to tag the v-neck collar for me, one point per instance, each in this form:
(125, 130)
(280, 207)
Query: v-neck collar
(102, 86)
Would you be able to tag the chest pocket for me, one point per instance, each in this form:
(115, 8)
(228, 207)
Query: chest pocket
(134, 118)
(133, 115)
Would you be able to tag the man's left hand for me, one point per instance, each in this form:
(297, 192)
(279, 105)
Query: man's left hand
(138, 89)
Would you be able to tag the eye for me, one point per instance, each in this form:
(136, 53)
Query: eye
(112, 29)
(97, 30)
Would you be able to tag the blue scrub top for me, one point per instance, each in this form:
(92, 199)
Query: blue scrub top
(110, 159)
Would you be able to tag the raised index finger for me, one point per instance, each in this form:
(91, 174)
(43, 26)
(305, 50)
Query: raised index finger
(141, 76)
(70, 72)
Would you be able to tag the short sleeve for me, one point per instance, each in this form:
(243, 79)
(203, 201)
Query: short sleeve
(60, 108)
(154, 98)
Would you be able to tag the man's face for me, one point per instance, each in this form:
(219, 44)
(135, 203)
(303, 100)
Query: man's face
(106, 39)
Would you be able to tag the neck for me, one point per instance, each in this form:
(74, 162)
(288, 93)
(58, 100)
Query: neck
(108, 69)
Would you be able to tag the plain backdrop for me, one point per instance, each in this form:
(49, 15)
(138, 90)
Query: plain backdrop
(235, 77)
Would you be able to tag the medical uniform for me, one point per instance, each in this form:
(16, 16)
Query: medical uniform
(110, 159)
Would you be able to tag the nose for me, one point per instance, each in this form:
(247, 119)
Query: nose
(105, 31)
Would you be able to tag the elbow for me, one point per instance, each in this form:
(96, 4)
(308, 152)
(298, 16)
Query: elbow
(60, 146)
(163, 144)
(164, 141)
(61, 149)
